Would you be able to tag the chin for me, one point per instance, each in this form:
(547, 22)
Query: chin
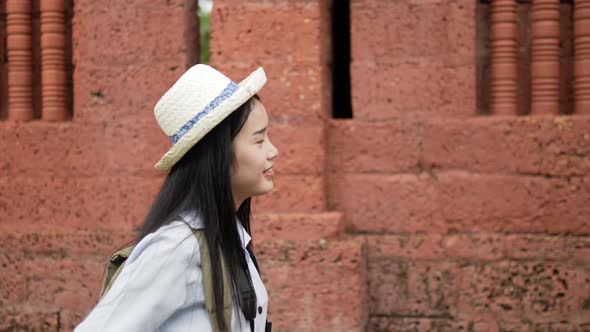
(264, 189)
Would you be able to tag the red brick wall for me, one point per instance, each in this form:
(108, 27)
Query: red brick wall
(289, 39)
(475, 223)
(71, 191)
(417, 214)
(303, 250)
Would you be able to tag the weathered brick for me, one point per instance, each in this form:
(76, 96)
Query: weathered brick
(412, 288)
(420, 274)
(578, 251)
(383, 32)
(29, 320)
(93, 149)
(13, 284)
(308, 226)
(115, 93)
(447, 201)
(515, 295)
(458, 93)
(69, 319)
(308, 276)
(387, 30)
(544, 145)
(118, 202)
(561, 326)
(137, 32)
(301, 149)
(367, 147)
(470, 246)
(266, 3)
(64, 283)
(554, 146)
(288, 34)
(387, 91)
(129, 147)
(539, 247)
(477, 246)
(473, 223)
(293, 193)
(379, 203)
(294, 93)
(480, 247)
(410, 324)
(415, 48)
(60, 243)
(461, 33)
(523, 291)
(411, 246)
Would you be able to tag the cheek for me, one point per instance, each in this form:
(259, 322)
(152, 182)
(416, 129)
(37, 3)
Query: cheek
(249, 163)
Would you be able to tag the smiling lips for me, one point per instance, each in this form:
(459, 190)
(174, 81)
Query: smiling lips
(268, 172)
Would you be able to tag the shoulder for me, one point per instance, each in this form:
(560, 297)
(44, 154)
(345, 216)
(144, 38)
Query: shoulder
(175, 240)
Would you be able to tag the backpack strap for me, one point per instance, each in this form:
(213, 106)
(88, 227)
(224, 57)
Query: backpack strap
(208, 284)
(114, 267)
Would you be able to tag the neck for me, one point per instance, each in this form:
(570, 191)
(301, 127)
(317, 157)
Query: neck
(238, 200)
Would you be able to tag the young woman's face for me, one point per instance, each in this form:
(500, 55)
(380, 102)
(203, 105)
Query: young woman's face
(252, 170)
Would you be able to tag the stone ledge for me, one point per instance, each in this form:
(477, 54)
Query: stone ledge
(297, 226)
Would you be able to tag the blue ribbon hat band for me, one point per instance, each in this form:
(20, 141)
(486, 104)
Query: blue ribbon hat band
(227, 92)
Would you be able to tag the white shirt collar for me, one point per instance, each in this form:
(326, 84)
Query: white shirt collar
(194, 220)
(190, 216)
(244, 236)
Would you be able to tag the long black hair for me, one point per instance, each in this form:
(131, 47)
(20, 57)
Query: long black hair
(201, 181)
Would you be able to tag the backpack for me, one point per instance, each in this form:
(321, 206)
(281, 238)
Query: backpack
(118, 259)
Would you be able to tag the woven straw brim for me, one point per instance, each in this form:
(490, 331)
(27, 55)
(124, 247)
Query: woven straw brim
(247, 88)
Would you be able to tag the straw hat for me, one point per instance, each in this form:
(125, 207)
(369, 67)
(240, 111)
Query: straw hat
(200, 99)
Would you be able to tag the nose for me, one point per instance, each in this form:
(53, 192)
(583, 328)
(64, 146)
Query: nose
(274, 152)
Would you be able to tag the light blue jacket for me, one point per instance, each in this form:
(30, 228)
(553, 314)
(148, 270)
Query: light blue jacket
(160, 287)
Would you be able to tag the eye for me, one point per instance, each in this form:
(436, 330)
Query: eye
(260, 141)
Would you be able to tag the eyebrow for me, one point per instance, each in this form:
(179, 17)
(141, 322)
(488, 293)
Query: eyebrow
(260, 131)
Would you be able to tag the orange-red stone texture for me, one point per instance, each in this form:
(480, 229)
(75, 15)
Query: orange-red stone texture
(73, 191)
(417, 214)
(475, 223)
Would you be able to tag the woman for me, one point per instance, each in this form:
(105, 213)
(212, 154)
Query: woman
(221, 157)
